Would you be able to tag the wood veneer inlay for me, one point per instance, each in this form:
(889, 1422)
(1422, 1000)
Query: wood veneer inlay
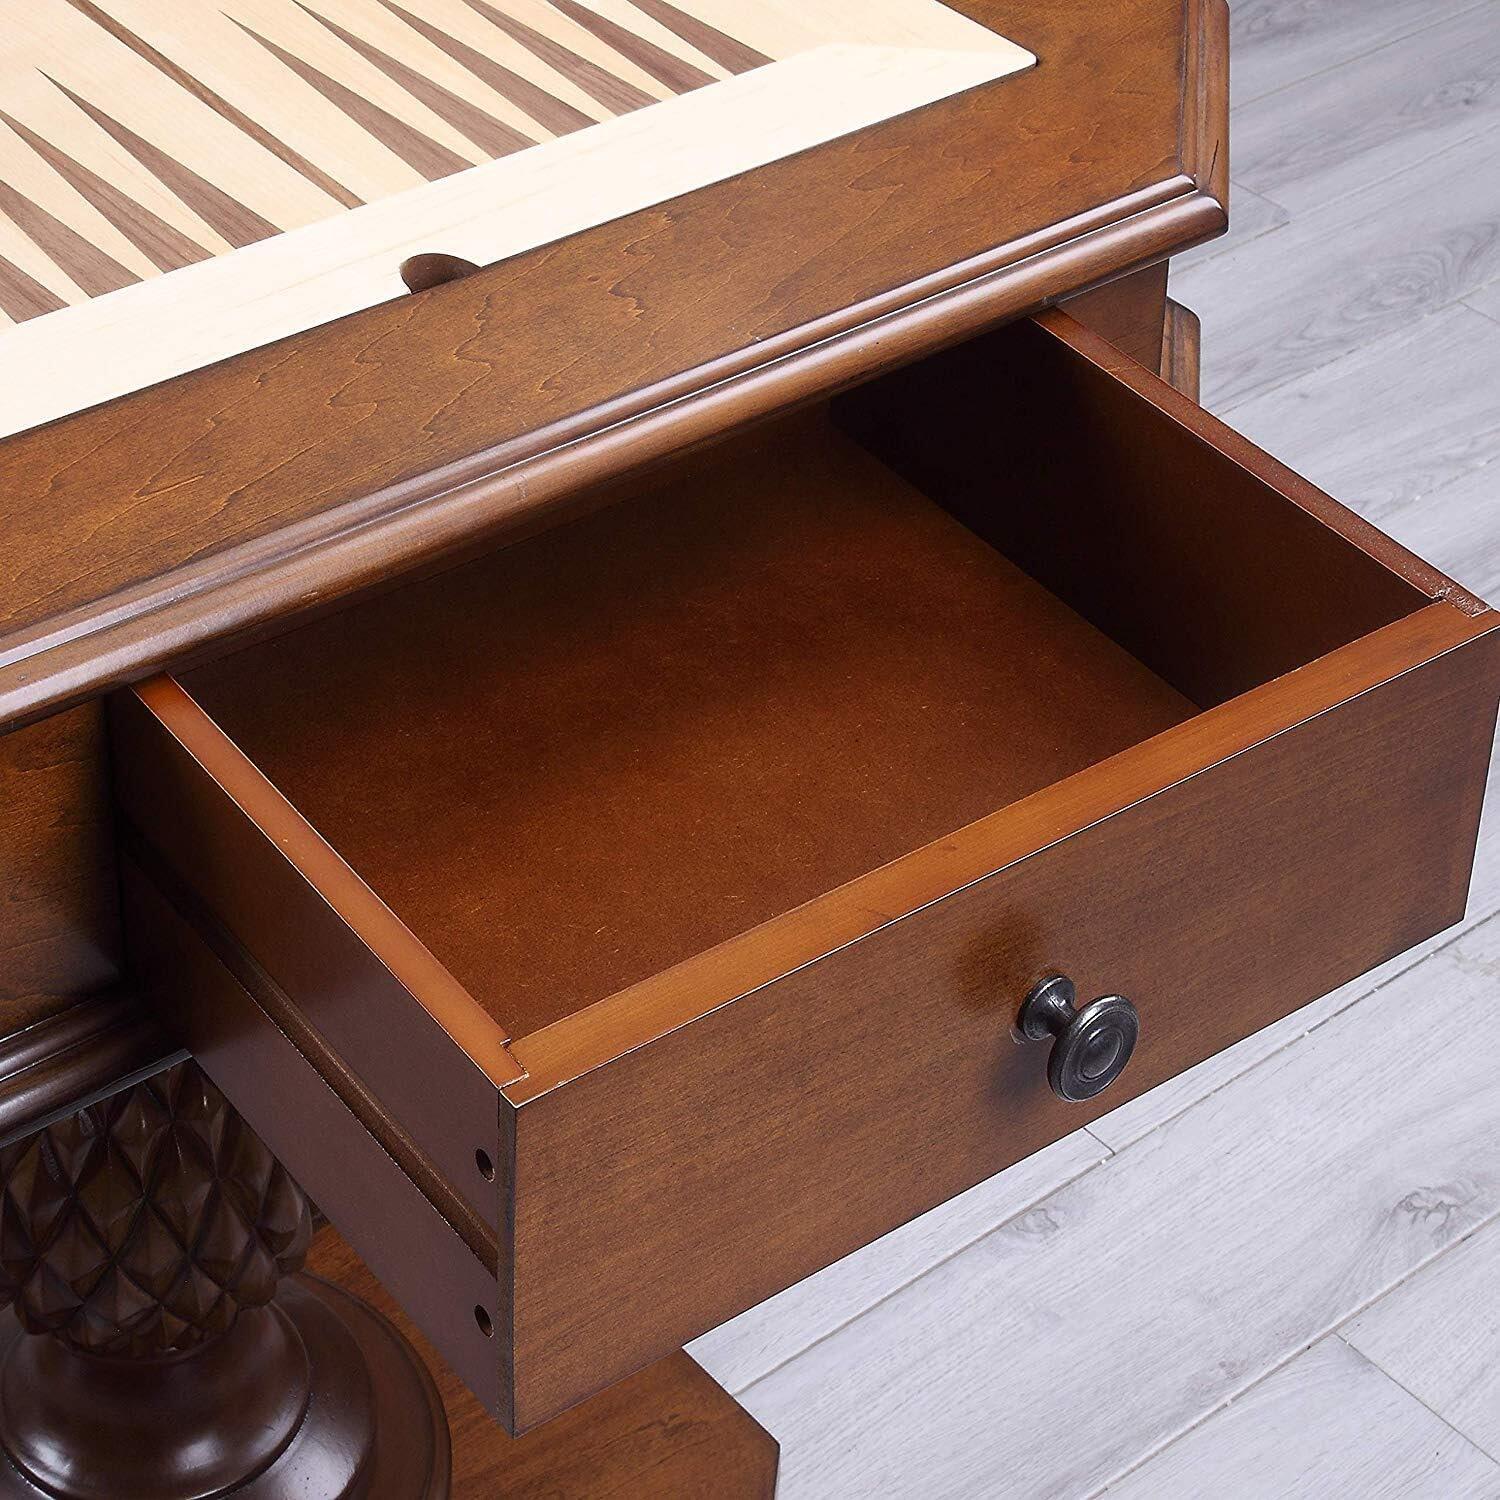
(148, 139)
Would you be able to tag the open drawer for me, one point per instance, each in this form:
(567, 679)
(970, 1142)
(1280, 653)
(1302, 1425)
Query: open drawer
(661, 890)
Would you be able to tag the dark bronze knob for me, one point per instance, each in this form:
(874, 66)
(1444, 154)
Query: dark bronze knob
(1093, 1044)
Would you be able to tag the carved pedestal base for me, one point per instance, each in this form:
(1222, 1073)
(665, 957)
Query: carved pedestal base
(161, 1346)
(162, 1343)
(315, 1396)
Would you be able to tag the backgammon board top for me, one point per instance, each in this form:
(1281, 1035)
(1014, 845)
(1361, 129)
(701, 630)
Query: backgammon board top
(146, 144)
(223, 405)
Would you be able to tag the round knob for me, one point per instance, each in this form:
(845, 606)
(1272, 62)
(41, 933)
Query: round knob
(1093, 1044)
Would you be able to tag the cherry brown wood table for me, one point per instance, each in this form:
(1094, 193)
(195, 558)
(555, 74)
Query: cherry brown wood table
(625, 660)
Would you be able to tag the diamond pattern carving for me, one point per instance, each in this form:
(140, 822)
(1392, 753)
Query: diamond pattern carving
(144, 1224)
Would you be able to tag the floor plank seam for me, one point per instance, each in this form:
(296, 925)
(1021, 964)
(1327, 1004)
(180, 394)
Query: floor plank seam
(1363, 189)
(1391, 41)
(1329, 1329)
(1405, 330)
(1432, 497)
(1457, 934)
(1250, 1067)
(739, 1389)
(1190, 1427)
(1401, 1384)
(1483, 312)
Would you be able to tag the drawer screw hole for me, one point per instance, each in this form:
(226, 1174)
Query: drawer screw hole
(486, 1327)
(485, 1165)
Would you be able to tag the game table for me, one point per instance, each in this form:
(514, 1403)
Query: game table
(625, 661)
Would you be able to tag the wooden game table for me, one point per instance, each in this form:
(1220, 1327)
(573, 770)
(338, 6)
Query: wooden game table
(625, 660)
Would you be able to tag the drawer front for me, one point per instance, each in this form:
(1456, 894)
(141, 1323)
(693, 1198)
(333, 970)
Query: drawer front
(754, 1146)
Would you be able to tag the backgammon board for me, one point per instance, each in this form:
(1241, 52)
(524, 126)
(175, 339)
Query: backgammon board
(279, 161)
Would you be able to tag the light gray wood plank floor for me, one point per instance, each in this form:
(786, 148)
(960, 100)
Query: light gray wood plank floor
(1327, 1424)
(1281, 42)
(1487, 300)
(1274, 1276)
(1438, 1334)
(1354, 127)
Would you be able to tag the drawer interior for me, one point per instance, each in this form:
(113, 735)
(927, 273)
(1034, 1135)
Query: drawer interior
(781, 663)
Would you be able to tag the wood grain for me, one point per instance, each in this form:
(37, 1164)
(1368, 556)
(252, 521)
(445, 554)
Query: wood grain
(1328, 1423)
(1323, 287)
(1487, 301)
(59, 924)
(1459, 524)
(221, 106)
(729, 52)
(558, 116)
(89, 267)
(1278, 774)
(1451, 526)
(1276, 44)
(86, 1051)
(1059, 1389)
(429, 157)
(1142, 1115)
(993, 247)
(670, 1430)
(1250, 216)
(617, 700)
(22, 296)
(412, 98)
(1404, 104)
(238, 224)
(1130, 312)
(357, 1163)
(1199, 526)
(167, 246)
(1132, 1121)
(1438, 1333)
(339, 266)
(1389, 453)
(493, 136)
(739, 1352)
(677, 73)
(1182, 351)
(316, 930)
(675, 1134)
(617, 94)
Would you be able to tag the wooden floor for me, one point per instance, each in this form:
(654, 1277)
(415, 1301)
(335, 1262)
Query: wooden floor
(1276, 1276)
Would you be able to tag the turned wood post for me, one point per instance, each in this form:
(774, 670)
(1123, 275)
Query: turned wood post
(160, 1342)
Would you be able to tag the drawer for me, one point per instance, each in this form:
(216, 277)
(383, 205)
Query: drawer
(660, 890)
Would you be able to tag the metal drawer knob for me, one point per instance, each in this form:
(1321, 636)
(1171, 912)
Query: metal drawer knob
(1093, 1044)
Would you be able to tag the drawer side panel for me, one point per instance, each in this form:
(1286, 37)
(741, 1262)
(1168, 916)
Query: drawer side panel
(246, 872)
(338, 1163)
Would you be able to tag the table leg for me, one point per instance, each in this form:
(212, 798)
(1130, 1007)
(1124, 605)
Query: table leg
(1130, 312)
(160, 1342)
(1181, 347)
(1135, 314)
